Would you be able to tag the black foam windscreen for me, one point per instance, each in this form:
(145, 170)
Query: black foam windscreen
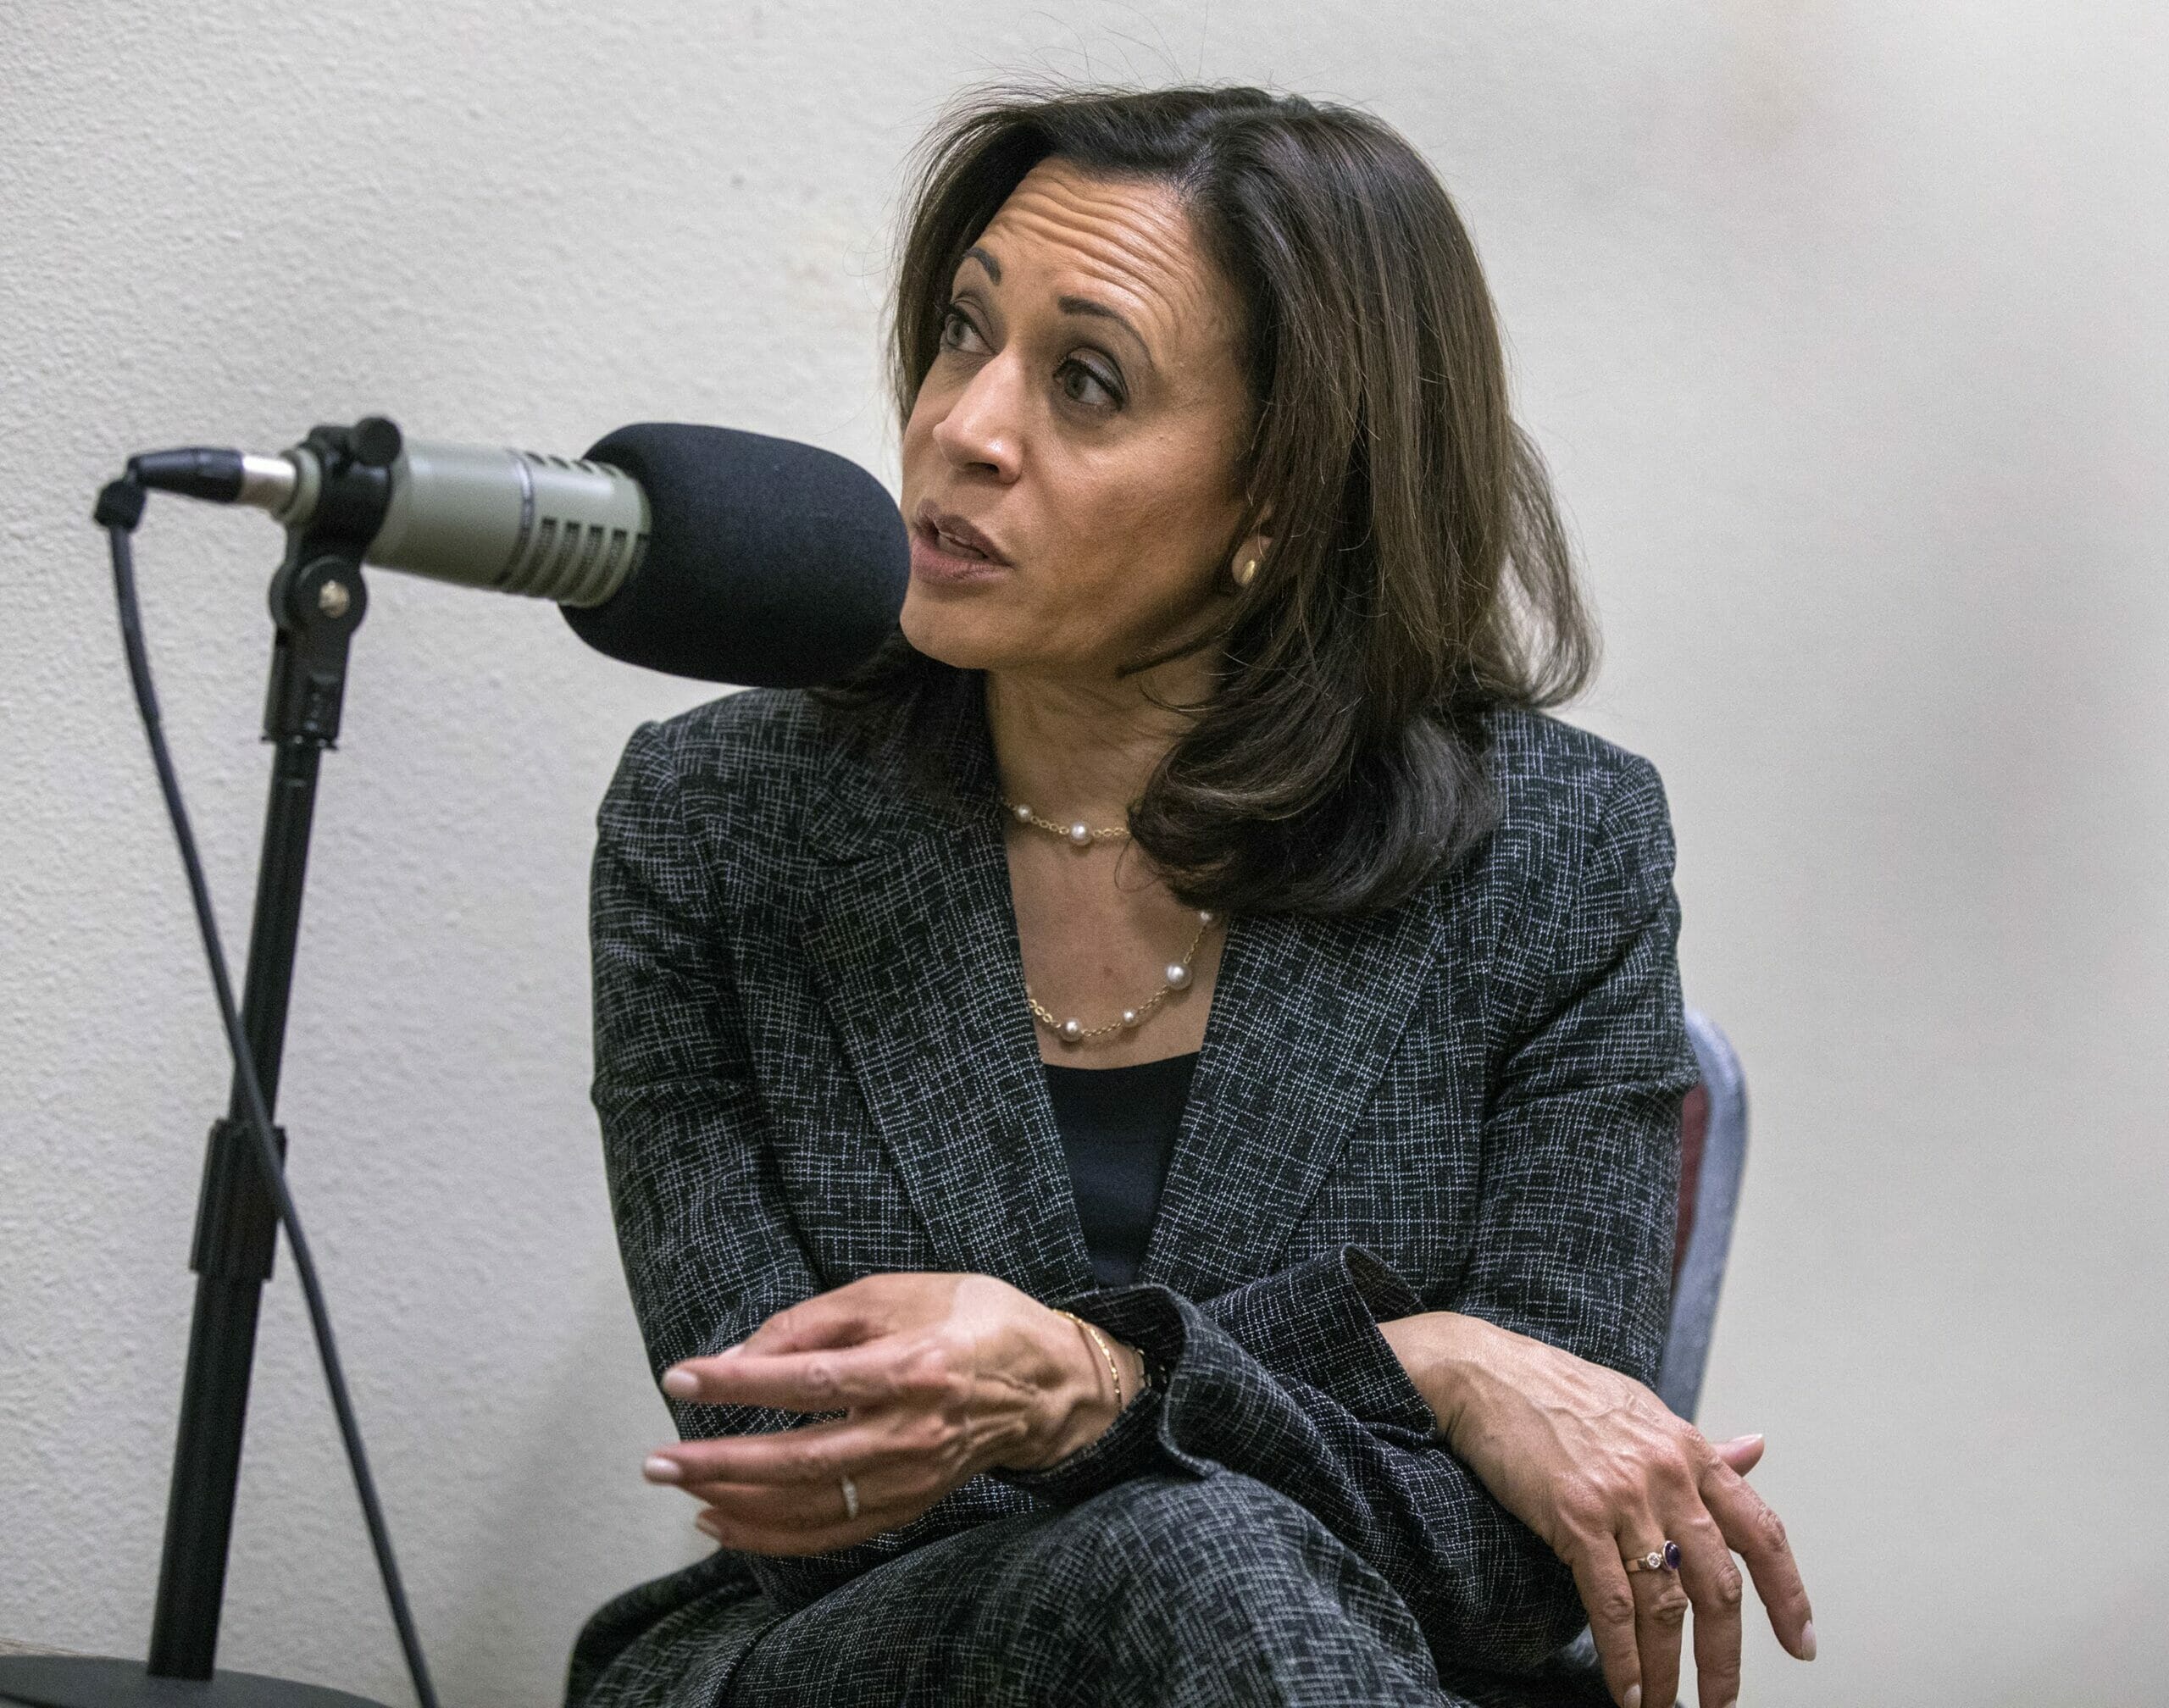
(769, 563)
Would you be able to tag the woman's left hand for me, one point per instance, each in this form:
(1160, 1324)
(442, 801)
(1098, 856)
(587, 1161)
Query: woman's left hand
(1594, 1464)
(940, 1378)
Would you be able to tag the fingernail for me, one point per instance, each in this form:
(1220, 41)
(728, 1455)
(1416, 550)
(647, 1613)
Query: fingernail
(709, 1522)
(1744, 1440)
(680, 1383)
(658, 1469)
(1633, 1696)
(1807, 1641)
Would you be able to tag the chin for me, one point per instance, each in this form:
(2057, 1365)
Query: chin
(967, 639)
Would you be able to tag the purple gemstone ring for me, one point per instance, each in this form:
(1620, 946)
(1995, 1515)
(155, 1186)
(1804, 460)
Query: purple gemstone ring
(1664, 1559)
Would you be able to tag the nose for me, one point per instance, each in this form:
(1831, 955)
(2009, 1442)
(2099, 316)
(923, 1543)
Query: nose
(980, 432)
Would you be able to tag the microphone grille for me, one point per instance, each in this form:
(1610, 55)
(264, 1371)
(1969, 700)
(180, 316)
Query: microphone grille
(563, 552)
(768, 563)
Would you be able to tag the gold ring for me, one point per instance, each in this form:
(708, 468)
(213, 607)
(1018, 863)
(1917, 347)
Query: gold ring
(1664, 1559)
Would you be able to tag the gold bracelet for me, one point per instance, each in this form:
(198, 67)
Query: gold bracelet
(1092, 1334)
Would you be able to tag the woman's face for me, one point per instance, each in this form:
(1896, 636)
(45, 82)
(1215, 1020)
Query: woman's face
(1069, 464)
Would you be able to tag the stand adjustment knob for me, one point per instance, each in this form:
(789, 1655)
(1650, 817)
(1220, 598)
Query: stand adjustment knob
(376, 442)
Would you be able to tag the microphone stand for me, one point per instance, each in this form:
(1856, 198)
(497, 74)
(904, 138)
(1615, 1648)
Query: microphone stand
(317, 600)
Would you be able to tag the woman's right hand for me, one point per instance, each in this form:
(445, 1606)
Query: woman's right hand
(1599, 1467)
(937, 1378)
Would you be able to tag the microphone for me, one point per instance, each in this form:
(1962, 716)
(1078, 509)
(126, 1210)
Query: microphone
(701, 551)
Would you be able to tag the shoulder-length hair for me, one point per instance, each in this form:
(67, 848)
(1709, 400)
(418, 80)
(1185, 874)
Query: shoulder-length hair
(1417, 575)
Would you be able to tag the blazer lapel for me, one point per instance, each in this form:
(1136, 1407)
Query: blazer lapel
(913, 942)
(1306, 1014)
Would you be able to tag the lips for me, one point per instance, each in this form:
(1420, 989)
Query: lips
(955, 537)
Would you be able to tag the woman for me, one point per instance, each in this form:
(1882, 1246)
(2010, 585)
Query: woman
(1177, 1068)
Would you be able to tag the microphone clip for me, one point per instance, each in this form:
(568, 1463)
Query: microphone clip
(318, 597)
(353, 467)
(372, 443)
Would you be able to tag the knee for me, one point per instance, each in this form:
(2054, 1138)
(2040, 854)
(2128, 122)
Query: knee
(1227, 1552)
(1190, 1531)
(1221, 1589)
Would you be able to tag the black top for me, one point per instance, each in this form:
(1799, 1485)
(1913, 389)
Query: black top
(1118, 1128)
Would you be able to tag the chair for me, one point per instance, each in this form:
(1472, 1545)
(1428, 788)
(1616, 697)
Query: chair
(1712, 1149)
(1713, 1152)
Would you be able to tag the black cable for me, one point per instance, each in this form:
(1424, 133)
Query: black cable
(119, 506)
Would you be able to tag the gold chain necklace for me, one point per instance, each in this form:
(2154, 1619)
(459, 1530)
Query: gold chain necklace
(1175, 976)
(1078, 835)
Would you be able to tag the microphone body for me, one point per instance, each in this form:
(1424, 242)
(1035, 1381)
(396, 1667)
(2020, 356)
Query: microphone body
(549, 527)
(702, 552)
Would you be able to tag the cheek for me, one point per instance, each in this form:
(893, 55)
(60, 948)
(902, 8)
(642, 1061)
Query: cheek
(1118, 551)
(1145, 544)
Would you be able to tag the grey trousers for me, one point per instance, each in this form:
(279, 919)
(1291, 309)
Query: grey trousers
(1160, 1590)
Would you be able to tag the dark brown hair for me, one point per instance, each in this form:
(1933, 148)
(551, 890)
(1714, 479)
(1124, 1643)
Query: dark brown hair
(1418, 574)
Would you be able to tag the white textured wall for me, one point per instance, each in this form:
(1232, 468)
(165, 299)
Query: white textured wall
(1844, 325)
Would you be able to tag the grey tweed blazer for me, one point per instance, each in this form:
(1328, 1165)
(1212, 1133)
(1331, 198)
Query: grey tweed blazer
(813, 1061)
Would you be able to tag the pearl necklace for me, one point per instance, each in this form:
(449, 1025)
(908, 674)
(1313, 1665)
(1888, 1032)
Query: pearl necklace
(1078, 835)
(1176, 974)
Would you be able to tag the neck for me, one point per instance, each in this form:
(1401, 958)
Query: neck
(1073, 747)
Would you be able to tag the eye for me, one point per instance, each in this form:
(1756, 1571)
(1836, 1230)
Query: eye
(1089, 384)
(957, 332)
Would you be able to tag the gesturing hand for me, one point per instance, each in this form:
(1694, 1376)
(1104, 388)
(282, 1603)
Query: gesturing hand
(940, 1378)
(1597, 1465)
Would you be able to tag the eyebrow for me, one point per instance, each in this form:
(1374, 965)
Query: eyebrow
(1068, 305)
(1085, 305)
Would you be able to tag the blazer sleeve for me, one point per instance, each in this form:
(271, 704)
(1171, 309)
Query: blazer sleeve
(1287, 1380)
(707, 1240)
(710, 1246)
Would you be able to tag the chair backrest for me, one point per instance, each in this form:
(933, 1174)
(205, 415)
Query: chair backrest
(1712, 1151)
(1712, 1146)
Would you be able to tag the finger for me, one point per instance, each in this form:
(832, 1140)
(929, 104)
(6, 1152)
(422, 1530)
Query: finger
(882, 1468)
(893, 1445)
(813, 1452)
(1660, 1607)
(1609, 1602)
(1757, 1535)
(804, 1507)
(891, 1495)
(1743, 1453)
(1713, 1585)
(812, 1518)
(843, 1317)
(825, 1379)
(811, 1530)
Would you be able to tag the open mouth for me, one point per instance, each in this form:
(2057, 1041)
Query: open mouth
(954, 537)
(957, 548)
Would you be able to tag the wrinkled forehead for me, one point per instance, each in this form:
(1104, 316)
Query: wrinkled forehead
(1126, 243)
